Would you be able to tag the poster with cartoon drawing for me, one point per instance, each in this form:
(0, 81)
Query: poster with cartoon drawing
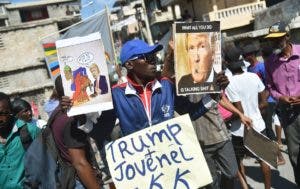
(84, 73)
(197, 57)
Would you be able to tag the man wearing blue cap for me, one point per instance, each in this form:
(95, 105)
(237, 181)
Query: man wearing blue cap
(145, 99)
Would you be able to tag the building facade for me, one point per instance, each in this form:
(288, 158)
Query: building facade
(23, 71)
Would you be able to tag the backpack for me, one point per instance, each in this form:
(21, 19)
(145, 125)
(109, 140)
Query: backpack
(44, 168)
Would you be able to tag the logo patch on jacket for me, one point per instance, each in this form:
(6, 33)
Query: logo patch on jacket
(166, 110)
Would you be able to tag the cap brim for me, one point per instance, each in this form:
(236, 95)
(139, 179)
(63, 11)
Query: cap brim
(153, 49)
(147, 50)
(274, 35)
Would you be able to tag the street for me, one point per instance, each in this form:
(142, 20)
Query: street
(282, 178)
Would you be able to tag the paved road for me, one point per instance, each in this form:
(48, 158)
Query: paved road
(282, 178)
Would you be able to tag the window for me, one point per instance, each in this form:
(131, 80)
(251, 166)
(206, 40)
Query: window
(2, 22)
(2, 10)
(1, 43)
(4, 82)
(34, 14)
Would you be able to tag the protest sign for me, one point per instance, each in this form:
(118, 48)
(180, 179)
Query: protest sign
(84, 73)
(167, 155)
(261, 146)
(197, 57)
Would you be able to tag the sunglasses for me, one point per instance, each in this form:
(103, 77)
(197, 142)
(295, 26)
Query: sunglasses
(150, 58)
(5, 114)
(26, 110)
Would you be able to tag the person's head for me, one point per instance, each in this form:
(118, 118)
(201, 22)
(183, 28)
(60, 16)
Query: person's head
(249, 53)
(266, 52)
(68, 72)
(234, 60)
(200, 55)
(278, 37)
(22, 109)
(94, 69)
(59, 87)
(6, 116)
(140, 59)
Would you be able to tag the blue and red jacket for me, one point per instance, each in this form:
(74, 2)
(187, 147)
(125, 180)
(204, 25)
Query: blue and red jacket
(138, 107)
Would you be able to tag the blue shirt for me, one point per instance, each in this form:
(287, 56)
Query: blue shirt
(11, 157)
(259, 69)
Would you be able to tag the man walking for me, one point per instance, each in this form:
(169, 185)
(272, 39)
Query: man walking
(257, 67)
(283, 81)
(247, 92)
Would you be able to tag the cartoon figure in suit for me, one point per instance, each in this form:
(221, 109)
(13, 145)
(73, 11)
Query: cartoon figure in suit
(100, 83)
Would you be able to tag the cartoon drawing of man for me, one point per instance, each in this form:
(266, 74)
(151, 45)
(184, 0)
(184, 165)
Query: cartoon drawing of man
(100, 83)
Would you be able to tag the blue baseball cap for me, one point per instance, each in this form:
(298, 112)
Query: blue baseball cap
(137, 47)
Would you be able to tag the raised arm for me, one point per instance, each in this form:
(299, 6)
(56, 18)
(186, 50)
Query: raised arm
(83, 168)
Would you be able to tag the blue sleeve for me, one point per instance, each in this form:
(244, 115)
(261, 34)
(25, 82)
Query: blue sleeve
(183, 105)
(73, 87)
(262, 71)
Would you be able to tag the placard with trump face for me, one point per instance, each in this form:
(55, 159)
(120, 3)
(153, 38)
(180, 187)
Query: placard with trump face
(197, 57)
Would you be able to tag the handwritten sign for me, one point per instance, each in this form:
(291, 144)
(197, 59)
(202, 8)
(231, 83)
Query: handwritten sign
(167, 155)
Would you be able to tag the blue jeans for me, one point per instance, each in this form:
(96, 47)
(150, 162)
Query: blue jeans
(78, 185)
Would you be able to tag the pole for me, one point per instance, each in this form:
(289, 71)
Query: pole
(111, 35)
(147, 24)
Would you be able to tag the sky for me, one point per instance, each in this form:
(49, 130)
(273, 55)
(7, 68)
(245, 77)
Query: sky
(89, 7)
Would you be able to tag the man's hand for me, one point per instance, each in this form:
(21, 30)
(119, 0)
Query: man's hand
(66, 103)
(286, 99)
(246, 121)
(171, 43)
(222, 80)
(295, 100)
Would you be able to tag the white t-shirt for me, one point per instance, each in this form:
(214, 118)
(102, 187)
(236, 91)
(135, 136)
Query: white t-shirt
(245, 88)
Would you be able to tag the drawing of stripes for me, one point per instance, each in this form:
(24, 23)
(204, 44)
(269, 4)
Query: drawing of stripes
(49, 46)
(54, 68)
(51, 59)
(51, 52)
(49, 49)
(55, 72)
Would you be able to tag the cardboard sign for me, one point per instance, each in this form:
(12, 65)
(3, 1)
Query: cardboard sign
(261, 146)
(84, 73)
(167, 155)
(197, 57)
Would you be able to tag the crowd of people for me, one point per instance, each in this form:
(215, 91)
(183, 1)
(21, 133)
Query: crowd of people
(254, 96)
